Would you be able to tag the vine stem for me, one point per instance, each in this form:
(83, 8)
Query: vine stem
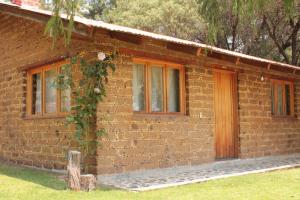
(93, 74)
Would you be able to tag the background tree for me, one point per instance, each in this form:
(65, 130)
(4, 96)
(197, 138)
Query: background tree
(283, 28)
(255, 27)
(177, 18)
(95, 9)
(265, 28)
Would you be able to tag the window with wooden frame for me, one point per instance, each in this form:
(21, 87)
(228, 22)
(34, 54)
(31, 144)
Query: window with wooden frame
(282, 94)
(43, 98)
(158, 87)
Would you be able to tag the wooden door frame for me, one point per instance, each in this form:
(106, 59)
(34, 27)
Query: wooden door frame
(235, 110)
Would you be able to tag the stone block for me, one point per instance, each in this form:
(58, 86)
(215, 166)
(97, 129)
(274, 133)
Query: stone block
(87, 182)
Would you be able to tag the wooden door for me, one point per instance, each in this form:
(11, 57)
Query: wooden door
(225, 114)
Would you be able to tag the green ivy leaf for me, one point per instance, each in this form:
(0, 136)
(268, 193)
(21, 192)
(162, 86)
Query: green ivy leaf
(94, 75)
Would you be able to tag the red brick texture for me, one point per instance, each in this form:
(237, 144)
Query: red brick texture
(17, 2)
(133, 141)
(34, 3)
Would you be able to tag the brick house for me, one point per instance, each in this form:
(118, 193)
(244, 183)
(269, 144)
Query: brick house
(169, 103)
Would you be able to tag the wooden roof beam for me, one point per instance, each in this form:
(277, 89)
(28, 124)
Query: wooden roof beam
(237, 62)
(126, 37)
(295, 70)
(183, 48)
(143, 54)
(210, 61)
(45, 62)
(91, 31)
(42, 19)
(199, 51)
(24, 14)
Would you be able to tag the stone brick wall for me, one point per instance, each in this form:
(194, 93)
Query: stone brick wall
(133, 141)
(143, 141)
(260, 133)
(136, 141)
(36, 142)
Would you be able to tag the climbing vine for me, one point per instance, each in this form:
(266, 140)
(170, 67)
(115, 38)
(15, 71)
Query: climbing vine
(88, 89)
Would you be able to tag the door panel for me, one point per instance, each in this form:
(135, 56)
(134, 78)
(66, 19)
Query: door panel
(225, 114)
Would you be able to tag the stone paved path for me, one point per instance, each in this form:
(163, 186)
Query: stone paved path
(161, 178)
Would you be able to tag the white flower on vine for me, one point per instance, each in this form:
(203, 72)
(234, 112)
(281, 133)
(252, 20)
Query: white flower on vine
(97, 90)
(101, 56)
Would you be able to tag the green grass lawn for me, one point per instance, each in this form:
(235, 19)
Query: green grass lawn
(28, 184)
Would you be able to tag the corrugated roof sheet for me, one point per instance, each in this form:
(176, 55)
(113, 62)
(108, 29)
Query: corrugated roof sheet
(117, 28)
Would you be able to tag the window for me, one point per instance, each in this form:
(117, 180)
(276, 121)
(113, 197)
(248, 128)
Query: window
(42, 96)
(158, 87)
(282, 94)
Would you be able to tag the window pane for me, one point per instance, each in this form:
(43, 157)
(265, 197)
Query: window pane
(279, 98)
(138, 84)
(50, 91)
(65, 90)
(157, 89)
(65, 101)
(273, 100)
(288, 99)
(36, 94)
(173, 90)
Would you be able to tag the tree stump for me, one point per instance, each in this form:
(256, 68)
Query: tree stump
(88, 182)
(74, 170)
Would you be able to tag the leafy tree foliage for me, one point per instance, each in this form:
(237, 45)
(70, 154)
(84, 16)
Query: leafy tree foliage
(55, 26)
(282, 24)
(251, 25)
(95, 9)
(265, 28)
(177, 18)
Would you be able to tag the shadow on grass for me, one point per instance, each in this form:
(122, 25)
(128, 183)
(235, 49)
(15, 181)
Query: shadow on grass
(45, 179)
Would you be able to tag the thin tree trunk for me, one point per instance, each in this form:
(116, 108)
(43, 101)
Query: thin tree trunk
(294, 38)
(74, 170)
(272, 34)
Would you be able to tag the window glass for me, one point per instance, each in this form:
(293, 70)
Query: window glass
(36, 94)
(279, 99)
(156, 89)
(173, 90)
(138, 87)
(65, 101)
(65, 91)
(272, 99)
(288, 99)
(50, 91)
(281, 95)
(45, 97)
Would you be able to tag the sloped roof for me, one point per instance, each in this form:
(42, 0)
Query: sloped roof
(132, 31)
